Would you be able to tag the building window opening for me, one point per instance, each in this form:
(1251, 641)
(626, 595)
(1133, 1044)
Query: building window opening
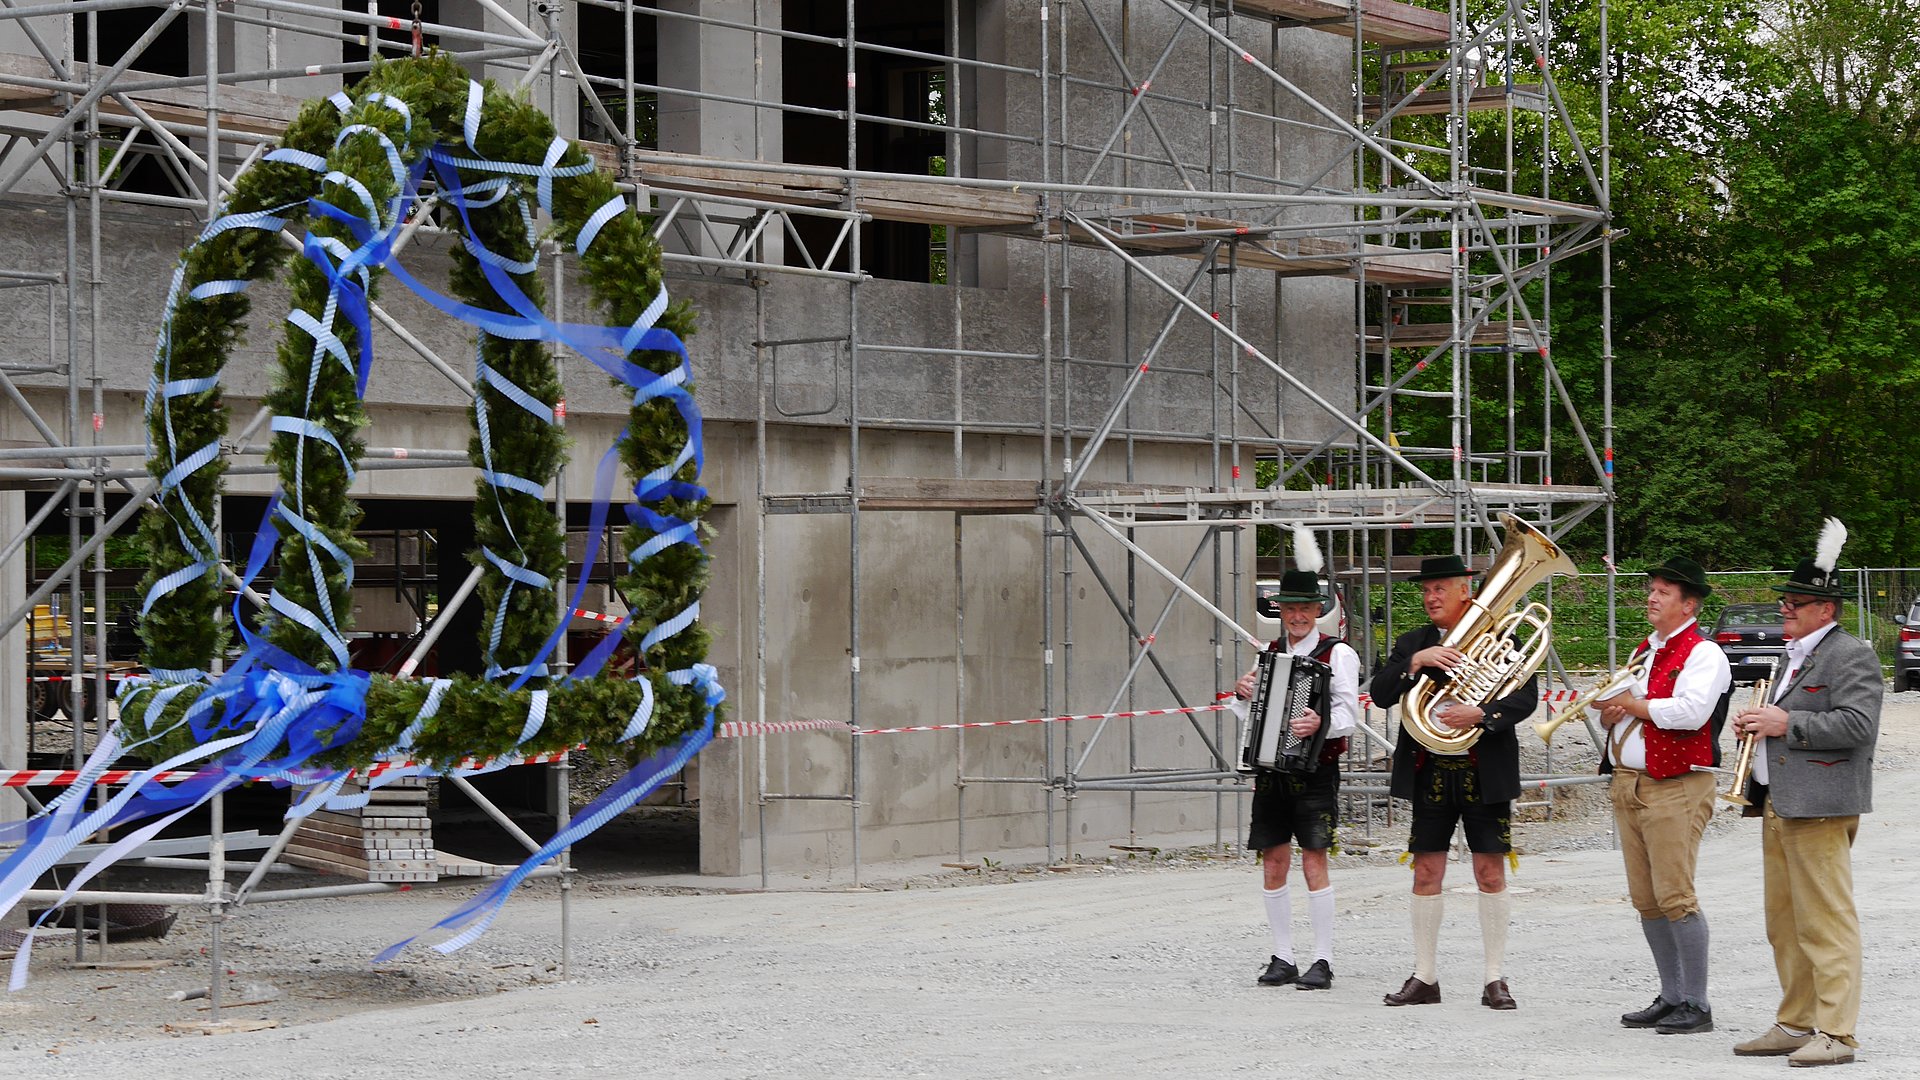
(604, 62)
(903, 103)
(144, 168)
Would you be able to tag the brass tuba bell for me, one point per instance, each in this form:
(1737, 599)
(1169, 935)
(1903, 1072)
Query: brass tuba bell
(1494, 666)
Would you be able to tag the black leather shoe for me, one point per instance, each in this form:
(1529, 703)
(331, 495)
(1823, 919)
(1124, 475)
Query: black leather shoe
(1317, 977)
(1415, 992)
(1649, 1016)
(1279, 973)
(1497, 996)
(1687, 1019)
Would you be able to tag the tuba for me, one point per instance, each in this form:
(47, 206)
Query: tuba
(1494, 665)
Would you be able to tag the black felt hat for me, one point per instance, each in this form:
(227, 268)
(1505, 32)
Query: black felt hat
(1298, 587)
(1810, 580)
(1819, 576)
(1436, 567)
(1683, 571)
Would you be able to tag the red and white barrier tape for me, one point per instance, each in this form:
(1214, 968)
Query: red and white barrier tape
(596, 616)
(66, 777)
(1217, 707)
(743, 729)
(111, 676)
(734, 729)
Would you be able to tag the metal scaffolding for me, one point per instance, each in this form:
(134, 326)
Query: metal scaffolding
(1155, 182)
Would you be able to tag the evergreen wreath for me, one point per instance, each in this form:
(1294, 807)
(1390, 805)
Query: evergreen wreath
(347, 167)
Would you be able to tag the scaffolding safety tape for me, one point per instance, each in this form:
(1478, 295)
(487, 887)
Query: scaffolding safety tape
(742, 729)
(70, 777)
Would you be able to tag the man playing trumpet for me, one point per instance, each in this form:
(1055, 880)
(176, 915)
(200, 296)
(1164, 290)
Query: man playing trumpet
(1658, 730)
(1814, 779)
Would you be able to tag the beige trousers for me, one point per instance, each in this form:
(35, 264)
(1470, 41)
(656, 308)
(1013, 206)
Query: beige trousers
(1660, 822)
(1812, 923)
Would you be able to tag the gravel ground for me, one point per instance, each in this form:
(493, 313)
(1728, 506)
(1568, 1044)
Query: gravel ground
(1138, 966)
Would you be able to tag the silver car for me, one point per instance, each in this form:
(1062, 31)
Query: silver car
(1906, 655)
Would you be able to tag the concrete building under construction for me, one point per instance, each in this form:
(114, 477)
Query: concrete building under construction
(1017, 319)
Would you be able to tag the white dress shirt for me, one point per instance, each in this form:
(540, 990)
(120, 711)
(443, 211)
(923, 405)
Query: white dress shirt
(1703, 679)
(1797, 652)
(1345, 690)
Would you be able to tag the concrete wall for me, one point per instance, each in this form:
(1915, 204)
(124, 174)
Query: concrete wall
(934, 646)
(942, 643)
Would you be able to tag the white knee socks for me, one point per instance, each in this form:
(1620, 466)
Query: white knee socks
(1493, 930)
(1320, 908)
(1426, 936)
(1280, 919)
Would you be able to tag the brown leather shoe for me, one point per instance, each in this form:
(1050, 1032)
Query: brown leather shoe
(1496, 996)
(1415, 992)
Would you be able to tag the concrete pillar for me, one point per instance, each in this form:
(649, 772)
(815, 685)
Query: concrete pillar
(13, 653)
(722, 61)
(282, 46)
(724, 778)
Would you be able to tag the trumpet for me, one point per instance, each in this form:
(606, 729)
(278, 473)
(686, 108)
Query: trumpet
(1736, 792)
(1613, 684)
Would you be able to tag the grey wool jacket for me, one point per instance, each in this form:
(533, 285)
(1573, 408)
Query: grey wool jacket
(1823, 765)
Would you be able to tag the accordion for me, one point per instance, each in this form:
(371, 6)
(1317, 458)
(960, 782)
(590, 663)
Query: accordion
(1284, 686)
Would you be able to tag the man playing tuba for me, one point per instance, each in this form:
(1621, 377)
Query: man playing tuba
(1476, 788)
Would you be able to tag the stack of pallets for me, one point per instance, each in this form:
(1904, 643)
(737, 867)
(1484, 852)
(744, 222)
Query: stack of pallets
(389, 839)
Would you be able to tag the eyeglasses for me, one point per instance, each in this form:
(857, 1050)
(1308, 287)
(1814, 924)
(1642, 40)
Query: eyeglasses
(1796, 605)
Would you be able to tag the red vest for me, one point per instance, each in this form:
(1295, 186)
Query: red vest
(1674, 753)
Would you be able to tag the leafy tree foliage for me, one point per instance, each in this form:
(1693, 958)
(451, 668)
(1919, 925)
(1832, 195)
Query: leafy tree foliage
(1767, 178)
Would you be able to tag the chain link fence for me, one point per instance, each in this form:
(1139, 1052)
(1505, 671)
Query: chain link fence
(1581, 629)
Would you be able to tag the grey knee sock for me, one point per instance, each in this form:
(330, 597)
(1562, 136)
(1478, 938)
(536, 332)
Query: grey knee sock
(1690, 935)
(1666, 958)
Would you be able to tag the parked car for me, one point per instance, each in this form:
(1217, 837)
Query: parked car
(1333, 611)
(1906, 656)
(1753, 638)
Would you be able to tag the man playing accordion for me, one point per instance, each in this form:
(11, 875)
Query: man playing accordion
(1303, 806)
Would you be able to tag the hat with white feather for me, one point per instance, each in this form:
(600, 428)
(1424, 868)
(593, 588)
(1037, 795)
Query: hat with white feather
(1302, 584)
(1819, 575)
